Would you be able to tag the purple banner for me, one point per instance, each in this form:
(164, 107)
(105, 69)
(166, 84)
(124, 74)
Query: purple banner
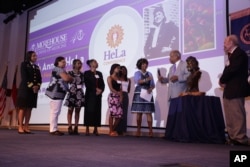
(71, 38)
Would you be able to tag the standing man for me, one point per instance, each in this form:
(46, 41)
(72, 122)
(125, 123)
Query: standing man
(177, 75)
(234, 82)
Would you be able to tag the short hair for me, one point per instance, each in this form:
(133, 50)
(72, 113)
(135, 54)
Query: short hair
(90, 61)
(140, 62)
(234, 39)
(57, 60)
(159, 9)
(176, 53)
(28, 55)
(75, 61)
(113, 67)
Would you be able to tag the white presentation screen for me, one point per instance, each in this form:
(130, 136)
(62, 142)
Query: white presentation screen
(122, 31)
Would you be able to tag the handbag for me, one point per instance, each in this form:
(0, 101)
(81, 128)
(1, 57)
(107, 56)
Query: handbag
(55, 91)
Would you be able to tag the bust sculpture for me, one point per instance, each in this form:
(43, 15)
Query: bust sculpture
(193, 78)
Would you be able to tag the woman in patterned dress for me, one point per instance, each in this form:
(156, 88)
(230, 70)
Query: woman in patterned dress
(114, 99)
(143, 80)
(75, 97)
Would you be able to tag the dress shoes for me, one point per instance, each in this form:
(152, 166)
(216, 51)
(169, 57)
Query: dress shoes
(21, 132)
(113, 134)
(95, 132)
(28, 132)
(236, 143)
(76, 131)
(87, 132)
(70, 130)
(138, 134)
(150, 134)
(57, 133)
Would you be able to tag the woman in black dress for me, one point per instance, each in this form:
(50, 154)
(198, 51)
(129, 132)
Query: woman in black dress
(27, 92)
(95, 86)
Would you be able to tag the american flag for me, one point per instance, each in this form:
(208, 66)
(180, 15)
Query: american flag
(13, 95)
(3, 90)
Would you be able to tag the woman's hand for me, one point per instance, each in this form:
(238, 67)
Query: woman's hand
(98, 91)
(35, 89)
(160, 78)
(150, 90)
(121, 97)
(147, 79)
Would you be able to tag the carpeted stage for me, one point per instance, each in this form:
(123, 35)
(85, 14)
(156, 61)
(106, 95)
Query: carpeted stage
(43, 150)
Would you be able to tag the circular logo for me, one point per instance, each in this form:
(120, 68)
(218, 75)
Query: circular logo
(245, 34)
(117, 38)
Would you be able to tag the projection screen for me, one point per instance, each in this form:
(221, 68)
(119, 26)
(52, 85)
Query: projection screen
(117, 31)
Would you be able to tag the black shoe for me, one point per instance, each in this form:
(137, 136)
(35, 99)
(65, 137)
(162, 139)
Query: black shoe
(95, 132)
(236, 143)
(57, 133)
(21, 132)
(70, 130)
(76, 130)
(28, 132)
(87, 133)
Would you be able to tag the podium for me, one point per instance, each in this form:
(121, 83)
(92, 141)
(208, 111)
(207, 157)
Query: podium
(195, 119)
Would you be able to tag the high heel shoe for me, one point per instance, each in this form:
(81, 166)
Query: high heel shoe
(138, 134)
(70, 130)
(21, 132)
(95, 132)
(150, 134)
(87, 133)
(113, 134)
(76, 130)
(28, 132)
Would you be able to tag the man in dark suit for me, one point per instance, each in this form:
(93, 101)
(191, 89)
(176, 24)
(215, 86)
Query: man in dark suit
(234, 82)
(162, 38)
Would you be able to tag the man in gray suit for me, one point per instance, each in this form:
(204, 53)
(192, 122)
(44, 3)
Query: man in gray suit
(177, 75)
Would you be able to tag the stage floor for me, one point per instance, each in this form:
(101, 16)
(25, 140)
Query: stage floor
(44, 150)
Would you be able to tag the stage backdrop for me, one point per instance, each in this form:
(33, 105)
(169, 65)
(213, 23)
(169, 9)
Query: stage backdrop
(115, 31)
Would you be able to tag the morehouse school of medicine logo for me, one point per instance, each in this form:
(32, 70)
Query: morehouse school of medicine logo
(55, 42)
(51, 43)
(115, 36)
(245, 34)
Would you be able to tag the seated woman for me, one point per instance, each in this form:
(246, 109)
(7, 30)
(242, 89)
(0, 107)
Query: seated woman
(193, 78)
